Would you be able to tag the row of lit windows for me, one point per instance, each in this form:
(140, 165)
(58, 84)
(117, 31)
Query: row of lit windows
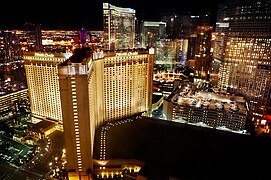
(251, 17)
(202, 112)
(76, 124)
(9, 99)
(124, 59)
(209, 119)
(96, 122)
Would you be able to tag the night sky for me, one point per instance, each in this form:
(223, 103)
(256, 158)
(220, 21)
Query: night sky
(88, 14)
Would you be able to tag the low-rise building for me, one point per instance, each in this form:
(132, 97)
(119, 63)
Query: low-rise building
(209, 109)
(11, 101)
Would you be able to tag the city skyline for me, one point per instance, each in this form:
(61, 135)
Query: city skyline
(143, 89)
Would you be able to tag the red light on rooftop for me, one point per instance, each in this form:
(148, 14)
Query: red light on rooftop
(267, 117)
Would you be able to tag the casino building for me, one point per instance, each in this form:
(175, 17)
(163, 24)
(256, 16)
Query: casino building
(87, 89)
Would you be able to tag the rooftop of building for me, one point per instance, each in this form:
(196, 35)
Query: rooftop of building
(123, 52)
(11, 87)
(80, 52)
(188, 95)
(79, 55)
(213, 101)
(182, 151)
(43, 126)
(47, 54)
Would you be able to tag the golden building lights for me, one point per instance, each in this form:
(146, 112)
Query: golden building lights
(98, 88)
(43, 85)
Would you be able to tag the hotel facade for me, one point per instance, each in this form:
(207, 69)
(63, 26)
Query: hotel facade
(89, 89)
(43, 86)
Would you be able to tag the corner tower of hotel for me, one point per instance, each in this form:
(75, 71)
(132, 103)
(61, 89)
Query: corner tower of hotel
(242, 53)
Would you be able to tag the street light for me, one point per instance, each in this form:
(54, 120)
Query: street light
(50, 164)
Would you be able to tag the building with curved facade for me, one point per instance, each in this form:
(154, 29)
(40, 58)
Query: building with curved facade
(119, 27)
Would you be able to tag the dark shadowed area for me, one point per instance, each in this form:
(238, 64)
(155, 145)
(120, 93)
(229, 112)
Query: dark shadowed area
(183, 151)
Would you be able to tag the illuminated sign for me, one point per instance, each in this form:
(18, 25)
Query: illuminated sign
(126, 53)
(44, 55)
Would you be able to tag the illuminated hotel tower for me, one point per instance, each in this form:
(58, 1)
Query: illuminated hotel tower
(242, 50)
(43, 85)
(119, 27)
(97, 87)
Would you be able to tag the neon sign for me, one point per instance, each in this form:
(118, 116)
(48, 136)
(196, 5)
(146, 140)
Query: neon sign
(126, 53)
(44, 55)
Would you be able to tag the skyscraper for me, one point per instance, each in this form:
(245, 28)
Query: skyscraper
(184, 26)
(9, 46)
(169, 53)
(242, 50)
(99, 87)
(119, 27)
(152, 31)
(203, 52)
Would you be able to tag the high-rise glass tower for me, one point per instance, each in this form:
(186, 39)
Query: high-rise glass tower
(242, 56)
(10, 48)
(170, 53)
(152, 31)
(119, 27)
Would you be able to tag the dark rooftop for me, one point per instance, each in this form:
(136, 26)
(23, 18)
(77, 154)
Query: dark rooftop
(156, 98)
(79, 54)
(186, 152)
